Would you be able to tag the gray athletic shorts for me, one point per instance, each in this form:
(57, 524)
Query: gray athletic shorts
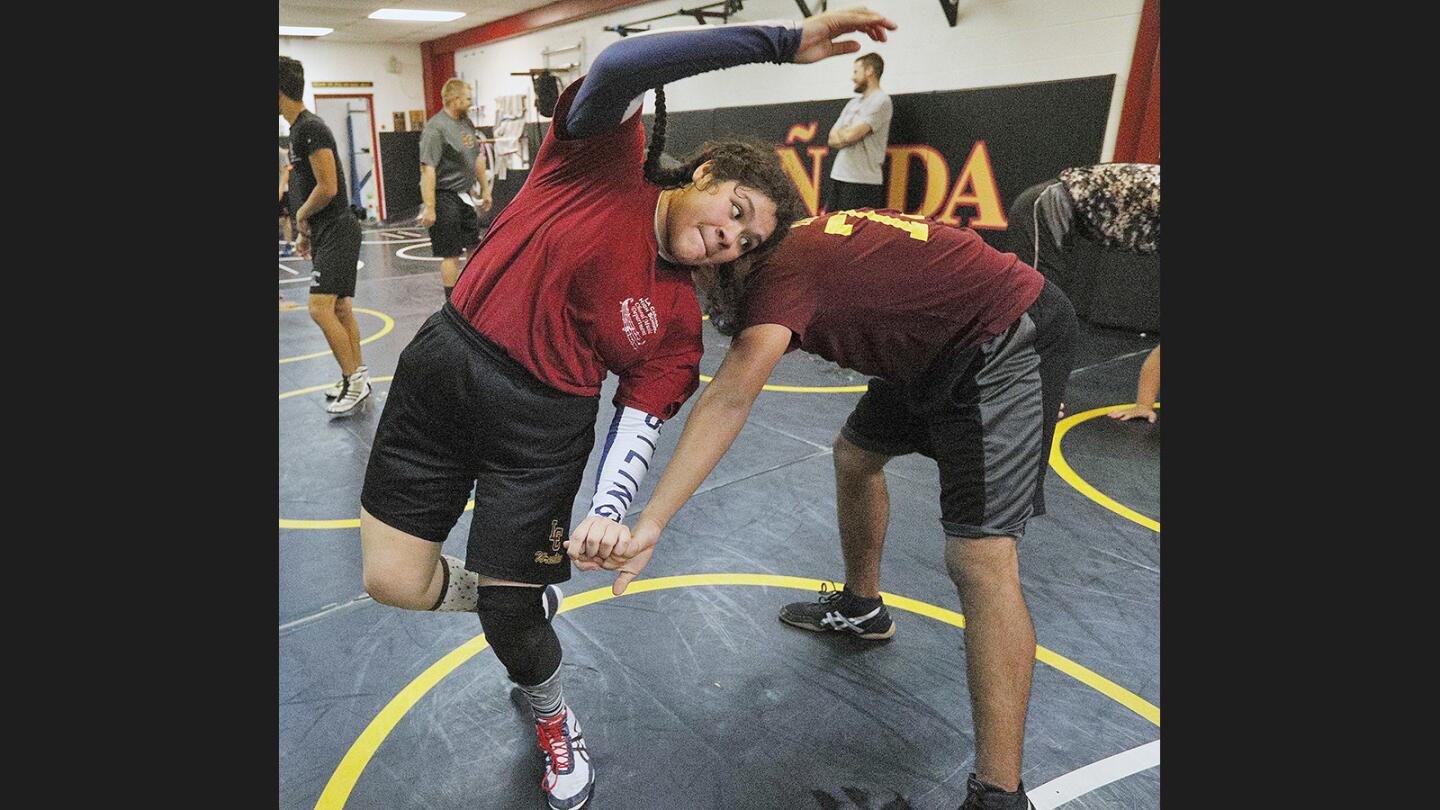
(986, 414)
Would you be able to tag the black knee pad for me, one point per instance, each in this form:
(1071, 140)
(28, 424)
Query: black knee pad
(517, 624)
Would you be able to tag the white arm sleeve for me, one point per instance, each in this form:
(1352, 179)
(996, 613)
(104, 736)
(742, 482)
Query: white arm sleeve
(624, 462)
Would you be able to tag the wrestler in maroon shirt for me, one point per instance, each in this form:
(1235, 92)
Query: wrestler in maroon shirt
(970, 349)
(499, 391)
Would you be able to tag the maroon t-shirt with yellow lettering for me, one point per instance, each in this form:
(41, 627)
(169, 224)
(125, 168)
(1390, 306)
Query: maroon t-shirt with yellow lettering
(567, 280)
(884, 293)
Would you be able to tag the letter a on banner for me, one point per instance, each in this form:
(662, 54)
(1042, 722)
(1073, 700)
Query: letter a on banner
(976, 187)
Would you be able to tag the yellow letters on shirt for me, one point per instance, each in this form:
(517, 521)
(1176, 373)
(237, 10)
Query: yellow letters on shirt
(837, 224)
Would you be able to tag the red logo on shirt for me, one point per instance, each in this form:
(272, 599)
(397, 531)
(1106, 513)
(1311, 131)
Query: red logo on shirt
(638, 319)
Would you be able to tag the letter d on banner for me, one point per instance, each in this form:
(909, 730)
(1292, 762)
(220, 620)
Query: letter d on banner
(937, 178)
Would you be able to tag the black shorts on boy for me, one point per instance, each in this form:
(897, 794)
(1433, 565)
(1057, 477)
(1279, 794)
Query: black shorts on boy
(335, 251)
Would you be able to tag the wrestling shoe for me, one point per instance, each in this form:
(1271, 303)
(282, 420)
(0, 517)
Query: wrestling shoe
(568, 778)
(354, 390)
(982, 796)
(839, 611)
(333, 392)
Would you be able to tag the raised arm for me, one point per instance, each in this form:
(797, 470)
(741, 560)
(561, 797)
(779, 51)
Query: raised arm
(623, 71)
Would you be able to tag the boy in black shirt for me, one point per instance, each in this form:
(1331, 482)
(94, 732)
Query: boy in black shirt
(329, 235)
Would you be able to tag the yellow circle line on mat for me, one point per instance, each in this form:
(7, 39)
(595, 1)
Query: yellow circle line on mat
(385, 330)
(343, 780)
(1061, 466)
(798, 389)
(342, 523)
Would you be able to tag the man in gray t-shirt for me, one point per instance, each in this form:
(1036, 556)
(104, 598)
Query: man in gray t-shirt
(860, 136)
(452, 159)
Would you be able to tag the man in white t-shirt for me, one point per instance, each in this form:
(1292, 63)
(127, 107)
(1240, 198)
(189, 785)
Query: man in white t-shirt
(860, 135)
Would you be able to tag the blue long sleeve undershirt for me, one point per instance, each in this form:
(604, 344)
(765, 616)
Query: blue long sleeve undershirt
(626, 69)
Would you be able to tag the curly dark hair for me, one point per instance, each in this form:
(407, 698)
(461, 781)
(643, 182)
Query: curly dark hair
(751, 163)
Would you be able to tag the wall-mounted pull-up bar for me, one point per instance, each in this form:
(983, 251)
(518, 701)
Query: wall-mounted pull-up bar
(700, 13)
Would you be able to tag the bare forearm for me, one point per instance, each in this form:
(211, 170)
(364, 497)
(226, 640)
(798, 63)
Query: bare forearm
(841, 137)
(1149, 388)
(480, 174)
(709, 431)
(427, 186)
(318, 199)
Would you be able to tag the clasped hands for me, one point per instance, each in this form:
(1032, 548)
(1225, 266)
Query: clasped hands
(601, 543)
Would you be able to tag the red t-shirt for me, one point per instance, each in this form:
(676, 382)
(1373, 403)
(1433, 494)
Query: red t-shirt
(568, 283)
(883, 293)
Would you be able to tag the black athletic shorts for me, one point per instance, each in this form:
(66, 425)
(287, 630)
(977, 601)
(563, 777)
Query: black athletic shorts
(845, 195)
(456, 228)
(335, 251)
(986, 414)
(461, 412)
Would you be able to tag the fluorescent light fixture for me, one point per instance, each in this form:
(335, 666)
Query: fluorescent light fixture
(302, 31)
(416, 16)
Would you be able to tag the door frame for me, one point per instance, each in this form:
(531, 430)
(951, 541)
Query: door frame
(374, 145)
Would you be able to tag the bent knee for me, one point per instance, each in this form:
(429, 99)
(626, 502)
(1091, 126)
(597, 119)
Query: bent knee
(322, 307)
(397, 589)
(982, 561)
(852, 459)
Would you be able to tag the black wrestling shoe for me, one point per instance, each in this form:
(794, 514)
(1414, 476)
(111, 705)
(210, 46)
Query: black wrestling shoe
(839, 611)
(983, 796)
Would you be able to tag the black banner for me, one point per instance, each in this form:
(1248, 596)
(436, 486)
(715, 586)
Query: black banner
(400, 173)
(959, 156)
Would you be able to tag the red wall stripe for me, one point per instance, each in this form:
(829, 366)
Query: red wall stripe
(1138, 139)
(437, 56)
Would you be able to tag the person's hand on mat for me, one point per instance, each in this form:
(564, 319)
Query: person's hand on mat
(302, 246)
(1133, 412)
(817, 33)
(594, 540)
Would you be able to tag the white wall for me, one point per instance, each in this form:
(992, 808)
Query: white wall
(997, 42)
(361, 62)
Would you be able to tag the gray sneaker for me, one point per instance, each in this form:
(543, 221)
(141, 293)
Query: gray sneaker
(839, 611)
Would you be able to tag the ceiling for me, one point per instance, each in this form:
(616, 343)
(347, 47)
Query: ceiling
(350, 18)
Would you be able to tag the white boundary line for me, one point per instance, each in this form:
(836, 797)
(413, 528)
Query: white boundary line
(1080, 781)
(288, 270)
(359, 265)
(401, 254)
